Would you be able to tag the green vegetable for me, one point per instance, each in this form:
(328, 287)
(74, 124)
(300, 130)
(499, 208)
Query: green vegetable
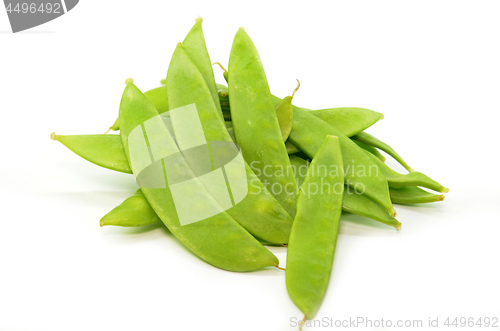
(219, 240)
(255, 123)
(314, 232)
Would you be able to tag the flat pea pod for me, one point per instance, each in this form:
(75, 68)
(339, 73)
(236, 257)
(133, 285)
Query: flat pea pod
(105, 150)
(413, 194)
(313, 238)
(133, 212)
(219, 240)
(196, 48)
(370, 140)
(307, 134)
(284, 112)
(415, 178)
(349, 120)
(255, 123)
(352, 201)
(259, 213)
(370, 149)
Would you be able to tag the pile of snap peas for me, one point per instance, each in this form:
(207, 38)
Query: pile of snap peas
(271, 132)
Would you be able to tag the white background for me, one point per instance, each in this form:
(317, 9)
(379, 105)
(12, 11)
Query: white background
(432, 67)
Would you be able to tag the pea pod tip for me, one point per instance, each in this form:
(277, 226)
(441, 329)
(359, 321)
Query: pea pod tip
(445, 190)
(129, 81)
(54, 136)
(199, 19)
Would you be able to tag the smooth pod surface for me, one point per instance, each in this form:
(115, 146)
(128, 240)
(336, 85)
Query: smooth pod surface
(413, 194)
(105, 150)
(132, 212)
(311, 247)
(255, 123)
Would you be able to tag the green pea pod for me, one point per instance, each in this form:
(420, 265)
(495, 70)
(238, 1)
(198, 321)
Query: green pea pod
(413, 194)
(134, 211)
(349, 120)
(196, 48)
(370, 149)
(307, 134)
(219, 240)
(314, 232)
(415, 178)
(284, 112)
(255, 123)
(352, 202)
(259, 213)
(370, 140)
(105, 150)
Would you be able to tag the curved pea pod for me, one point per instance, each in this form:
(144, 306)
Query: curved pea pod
(218, 239)
(196, 48)
(255, 123)
(105, 150)
(370, 149)
(352, 201)
(259, 213)
(284, 112)
(413, 194)
(415, 178)
(307, 134)
(313, 238)
(370, 140)
(134, 211)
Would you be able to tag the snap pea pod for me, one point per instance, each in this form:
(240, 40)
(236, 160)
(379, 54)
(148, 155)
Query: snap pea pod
(413, 194)
(370, 140)
(313, 238)
(352, 201)
(291, 148)
(370, 149)
(255, 123)
(219, 240)
(196, 48)
(415, 178)
(307, 134)
(284, 112)
(133, 212)
(104, 150)
(259, 213)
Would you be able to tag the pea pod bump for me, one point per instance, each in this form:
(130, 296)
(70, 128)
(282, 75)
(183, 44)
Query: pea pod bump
(255, 123)
(313, 238)
(219, 239)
